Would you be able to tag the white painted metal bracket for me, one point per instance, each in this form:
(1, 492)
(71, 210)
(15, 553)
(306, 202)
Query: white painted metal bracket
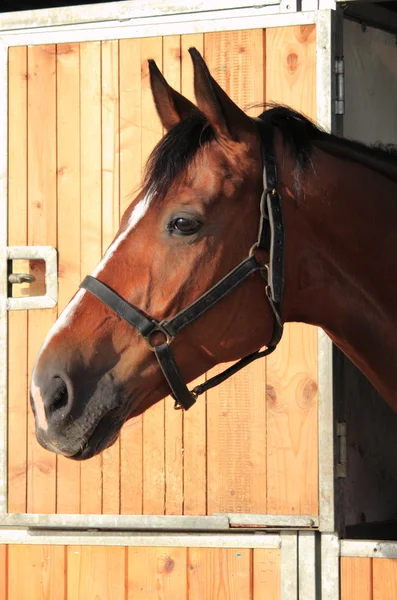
(49, 255)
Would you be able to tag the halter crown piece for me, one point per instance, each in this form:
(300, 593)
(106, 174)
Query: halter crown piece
(270, 238)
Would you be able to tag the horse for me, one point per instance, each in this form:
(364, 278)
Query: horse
(241, 225)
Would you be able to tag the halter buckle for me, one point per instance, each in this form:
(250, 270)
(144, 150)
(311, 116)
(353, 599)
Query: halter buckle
(178, 405)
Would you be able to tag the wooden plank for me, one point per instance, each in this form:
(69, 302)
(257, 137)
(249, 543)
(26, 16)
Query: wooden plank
(3, 571)
(356, 578)
(236, 60)
(131, 437)
(153, 419)
(292, 423)
(110, 224)
(266, 575)
(155, 573)
(384, 579)
(68, 180)
(41, 493)
(36, 572)
(173, 418)
(17, 320)
(291, 67)
(96, 572)
(219, 573)
(194, 421)
(91, 220)
(292, 369)
(130, 121)
(236, 421)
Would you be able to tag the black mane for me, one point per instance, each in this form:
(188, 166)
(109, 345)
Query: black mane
(177, 149)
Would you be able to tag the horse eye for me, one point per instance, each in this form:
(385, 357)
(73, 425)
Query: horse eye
(184, 226)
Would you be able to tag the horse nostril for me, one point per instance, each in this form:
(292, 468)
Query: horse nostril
(60, 396)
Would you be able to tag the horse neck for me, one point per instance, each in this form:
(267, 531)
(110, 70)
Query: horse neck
(342, 268)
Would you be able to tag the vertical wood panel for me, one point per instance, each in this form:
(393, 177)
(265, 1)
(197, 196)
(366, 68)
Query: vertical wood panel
(266, 575)
(155, 573)
(236, 60)
(291, 67)
(219, 573)
(17, 320)
(153, 419)
(194, 421)
(96, 572)
(292, 369)
(131, 467)
(236, 410)
(36, 572)
(110, 224)
(3, 572)
(68, 179)
(91, 219)
(41, 231)
(356, 578)
(173, 418)
(384, 578)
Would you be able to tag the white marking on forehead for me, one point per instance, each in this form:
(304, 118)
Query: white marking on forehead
(136, 215)
(66, 316)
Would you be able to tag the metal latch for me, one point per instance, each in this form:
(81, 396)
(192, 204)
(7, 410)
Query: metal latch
(340, 85)
(341, 439)
(48, 254)
(21, 278)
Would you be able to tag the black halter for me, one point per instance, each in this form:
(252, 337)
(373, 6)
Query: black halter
(270, 238)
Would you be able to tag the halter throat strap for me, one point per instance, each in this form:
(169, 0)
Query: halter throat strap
(270, 239)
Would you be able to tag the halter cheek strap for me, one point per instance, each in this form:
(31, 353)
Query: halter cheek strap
(270, 238)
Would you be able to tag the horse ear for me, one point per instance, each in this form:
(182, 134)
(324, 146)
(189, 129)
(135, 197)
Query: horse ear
(227, 119)
(171, 106)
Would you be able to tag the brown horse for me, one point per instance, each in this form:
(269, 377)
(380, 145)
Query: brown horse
(194, 223)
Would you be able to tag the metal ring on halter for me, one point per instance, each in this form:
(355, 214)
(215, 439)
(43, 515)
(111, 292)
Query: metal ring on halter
(159, 329)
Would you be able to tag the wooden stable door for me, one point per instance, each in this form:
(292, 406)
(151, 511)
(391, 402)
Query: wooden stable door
(81, 126)
(368, 578)
(141, 573)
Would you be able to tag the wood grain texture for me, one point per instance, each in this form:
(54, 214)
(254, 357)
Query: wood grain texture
(236, 60)
(236, 420)
(110, 225)
(194, 421)
(384, 579)
(3, 572)
(36, 572)
(131, 438)
(219, 573)
(356, 578)
(17, 320)
(155, 573)
(96, 573)
(291, 67)
(68, 224)
(153, 419)
(91, 220)
(292, 369)
(266, 574)
(42, 231)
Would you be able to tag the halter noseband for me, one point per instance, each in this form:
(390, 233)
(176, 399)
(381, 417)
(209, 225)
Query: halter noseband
(270, 238)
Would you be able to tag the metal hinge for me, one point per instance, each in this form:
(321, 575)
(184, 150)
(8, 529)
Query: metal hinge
(340, 85)
(341, 441)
